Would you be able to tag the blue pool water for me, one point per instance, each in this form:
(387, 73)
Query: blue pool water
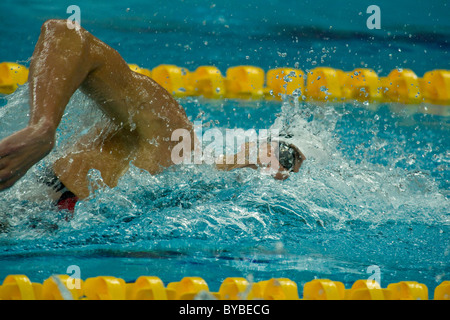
(379, 195)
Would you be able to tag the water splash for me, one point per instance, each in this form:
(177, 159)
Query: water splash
(358, 199)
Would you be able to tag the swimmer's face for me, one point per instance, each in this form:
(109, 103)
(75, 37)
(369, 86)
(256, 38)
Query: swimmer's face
(288, 158)
(299, 158)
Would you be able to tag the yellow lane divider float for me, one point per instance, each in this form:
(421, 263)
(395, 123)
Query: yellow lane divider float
(250, 82)
(59, 287)
(12, 75)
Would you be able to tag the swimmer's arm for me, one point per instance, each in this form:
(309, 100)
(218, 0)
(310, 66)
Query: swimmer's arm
(58, 67)
(238, 160)
(243, 160)
(227, 163)
(60, 63)
(231, 162)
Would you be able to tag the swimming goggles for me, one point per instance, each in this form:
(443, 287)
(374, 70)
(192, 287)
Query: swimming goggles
(287, 156)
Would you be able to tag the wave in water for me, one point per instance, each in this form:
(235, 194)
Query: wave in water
(332, 191)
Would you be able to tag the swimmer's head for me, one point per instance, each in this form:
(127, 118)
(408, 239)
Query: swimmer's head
(286, 157)
(289, 156)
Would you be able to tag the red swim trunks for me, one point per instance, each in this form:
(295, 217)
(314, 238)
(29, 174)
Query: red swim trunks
(67, 200)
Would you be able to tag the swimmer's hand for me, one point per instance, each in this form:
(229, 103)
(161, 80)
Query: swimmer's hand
(21, 150)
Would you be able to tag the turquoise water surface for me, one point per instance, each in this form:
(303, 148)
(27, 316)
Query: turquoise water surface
(379, 195)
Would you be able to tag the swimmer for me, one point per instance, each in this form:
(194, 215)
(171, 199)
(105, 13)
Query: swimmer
(139, 109)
